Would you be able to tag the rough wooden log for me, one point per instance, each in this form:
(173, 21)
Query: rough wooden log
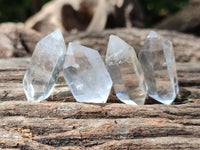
(15, 41)
(61, 123)
(100, 126)
(12, 71)
(186, 47)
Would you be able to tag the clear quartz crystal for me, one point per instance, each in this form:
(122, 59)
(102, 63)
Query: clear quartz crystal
(45, 65)
(125, 71)
(86, 74)
(158, 62)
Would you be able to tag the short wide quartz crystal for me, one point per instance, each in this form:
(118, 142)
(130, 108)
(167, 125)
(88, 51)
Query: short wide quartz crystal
(45, 65)
(126, 72)
(157, 59)
(86, 74)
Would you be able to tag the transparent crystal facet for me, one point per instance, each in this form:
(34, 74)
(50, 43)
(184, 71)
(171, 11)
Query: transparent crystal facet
(45, 65)
(158, 62)
(86, 74)
(125, 71)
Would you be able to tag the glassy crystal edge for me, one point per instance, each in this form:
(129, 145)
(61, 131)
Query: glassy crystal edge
(86, 74)
(124, 68)
(157, 59)
(45, 65)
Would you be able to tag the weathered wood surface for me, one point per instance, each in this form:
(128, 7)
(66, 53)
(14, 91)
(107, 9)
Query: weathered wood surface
(15, 41)
(186, 47)
(62, 123)
(12, 71)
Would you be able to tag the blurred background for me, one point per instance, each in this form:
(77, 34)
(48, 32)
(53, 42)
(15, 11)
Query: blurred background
(180, 15)
(153, 10)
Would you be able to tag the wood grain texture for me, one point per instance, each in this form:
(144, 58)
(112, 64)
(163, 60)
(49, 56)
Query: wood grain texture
(61, 123)
(186, 47)
(12, 71)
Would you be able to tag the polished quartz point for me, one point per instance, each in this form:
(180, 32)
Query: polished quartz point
(158, 62)
(45, 65)
(86, 74)
(125, 71)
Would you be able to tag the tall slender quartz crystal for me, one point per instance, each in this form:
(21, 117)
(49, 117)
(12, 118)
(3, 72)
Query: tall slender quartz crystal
(125, 71)
(86, 74)
(45, 65)
(158, 62)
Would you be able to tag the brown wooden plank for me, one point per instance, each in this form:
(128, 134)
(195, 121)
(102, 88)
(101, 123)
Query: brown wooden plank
(61, 123)
(12, 72)
(85, 125)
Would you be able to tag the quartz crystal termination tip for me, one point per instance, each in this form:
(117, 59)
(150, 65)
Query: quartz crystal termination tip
(126, 72)
(86, 74)
(158, 62)
(45, 65)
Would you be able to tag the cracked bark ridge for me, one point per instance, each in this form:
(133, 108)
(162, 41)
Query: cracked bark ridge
(61, 123)
(109, 126)
(12, 71)
(16, 40)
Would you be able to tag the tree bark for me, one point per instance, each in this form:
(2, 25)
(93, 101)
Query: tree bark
(61, 123)
(186, 47)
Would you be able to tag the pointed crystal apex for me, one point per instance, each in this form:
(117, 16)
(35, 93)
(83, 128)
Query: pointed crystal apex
(116, 41)
(125, 71)
(54, 39)
(45, 65)
(112, 36)
(153, 34)
(86, 74)
(56, 35)
(115, 38)
(158, 62)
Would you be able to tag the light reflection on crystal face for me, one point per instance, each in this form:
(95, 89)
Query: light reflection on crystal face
(45, 65)
(158, 63)
(125, 71)
(86, 75)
